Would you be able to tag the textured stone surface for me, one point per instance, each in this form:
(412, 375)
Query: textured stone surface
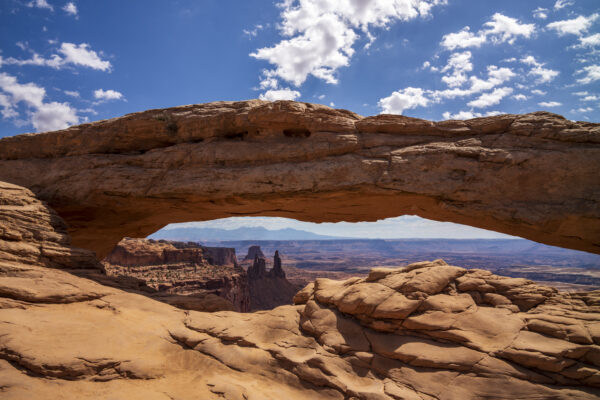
(531, 175)
(426, 331)
(187, 275)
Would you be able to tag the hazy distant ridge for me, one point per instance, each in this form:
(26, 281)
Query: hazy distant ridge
(243, 233)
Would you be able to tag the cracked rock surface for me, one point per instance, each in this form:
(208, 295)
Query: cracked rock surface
(426, 331)
(532, 175)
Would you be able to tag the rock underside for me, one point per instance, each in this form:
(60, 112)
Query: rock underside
(425, 331)
(532, 175)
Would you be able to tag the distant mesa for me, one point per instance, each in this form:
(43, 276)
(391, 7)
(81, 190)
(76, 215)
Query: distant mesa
(253, 252)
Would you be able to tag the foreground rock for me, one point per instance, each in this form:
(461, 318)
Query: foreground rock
(130, 176)
(187, 275)
(426, 331)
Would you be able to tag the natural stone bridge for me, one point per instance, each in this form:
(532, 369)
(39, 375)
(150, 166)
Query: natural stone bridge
(533, 175)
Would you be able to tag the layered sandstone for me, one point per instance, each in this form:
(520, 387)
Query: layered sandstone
(532, 175)
(425, 331)
(188, 270)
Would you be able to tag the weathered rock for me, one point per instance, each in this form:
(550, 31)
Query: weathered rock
(253, 252)
(186, 275)
(130, 176)
(64, 336)
(268, 289)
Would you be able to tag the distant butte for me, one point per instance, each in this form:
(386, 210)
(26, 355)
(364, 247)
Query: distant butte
(532, 175)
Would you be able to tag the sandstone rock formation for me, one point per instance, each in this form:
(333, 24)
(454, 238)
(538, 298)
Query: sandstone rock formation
(191, 272)
(253, 252)
(268, 289)
(532, 175)
(426, 331)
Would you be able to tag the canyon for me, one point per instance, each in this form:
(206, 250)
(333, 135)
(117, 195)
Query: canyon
(428, 330)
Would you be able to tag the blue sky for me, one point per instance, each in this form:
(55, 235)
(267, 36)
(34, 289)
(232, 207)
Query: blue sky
(67, 62)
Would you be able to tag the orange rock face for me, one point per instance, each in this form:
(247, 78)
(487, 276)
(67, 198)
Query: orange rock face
(425, 331)
(531, 175)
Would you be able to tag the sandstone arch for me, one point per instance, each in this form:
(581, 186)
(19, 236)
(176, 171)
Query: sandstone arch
(533, 175)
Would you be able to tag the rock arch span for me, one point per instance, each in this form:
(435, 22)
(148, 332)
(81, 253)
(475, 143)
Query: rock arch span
(532, 175)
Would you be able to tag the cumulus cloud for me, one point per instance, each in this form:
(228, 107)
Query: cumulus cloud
(576, 26)
(404, 99)
(537, 69)
(70, 8)
(549, 104)
(588, 41)
(520, 97)
(53, 116)
(538, 92)
(72, 93)
(320, 35)
(40, 4)
(490, 99)
(280, 94)
(106, 95)
(458, 64)
(500, 29)
(463, 39)
(43, 116)
(71, 53)
(591, 74)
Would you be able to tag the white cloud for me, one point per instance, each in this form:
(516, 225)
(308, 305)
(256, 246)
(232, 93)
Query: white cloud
(40, 4)
(520, 97)
(82, 55)
(459, 64)
(469, 114)
(72, 93)
(70, 8)
(544, 74)
(490, 99)
(588, 41)
(549, 104)
(590, 98)
(538, 92)
(53, 116)
(540, 13)
(462, 39)
(506, 29)
(321, 34)
(280, 94)
(43, 116)
(106, 95)
(576, 26)
(500, 29)
(592, 74)
(562, 4)
(404, 99)
(71, 54)
(254, 31)
(583, 110)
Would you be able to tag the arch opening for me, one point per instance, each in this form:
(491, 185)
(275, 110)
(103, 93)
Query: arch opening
(258, 263)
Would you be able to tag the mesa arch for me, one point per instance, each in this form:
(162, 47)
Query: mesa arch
(532, 175)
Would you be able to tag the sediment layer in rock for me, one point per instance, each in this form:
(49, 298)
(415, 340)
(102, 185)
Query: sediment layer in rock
(425, 331)
(183, 274)
(532, 175)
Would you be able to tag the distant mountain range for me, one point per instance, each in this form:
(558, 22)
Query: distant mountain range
(244, 233)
